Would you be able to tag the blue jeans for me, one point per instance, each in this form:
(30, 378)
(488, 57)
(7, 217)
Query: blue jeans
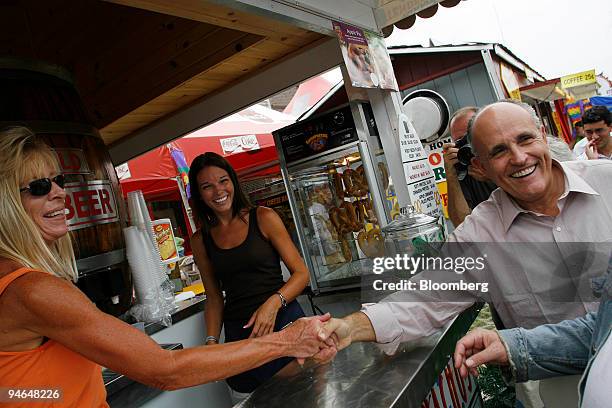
(249, 380)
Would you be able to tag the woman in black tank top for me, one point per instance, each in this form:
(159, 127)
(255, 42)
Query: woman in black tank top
(238, 249)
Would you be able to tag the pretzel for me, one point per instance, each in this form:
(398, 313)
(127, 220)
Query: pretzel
(346, 250)
(340, 220)
(359, 179)
(360, 210)
(371, 243)
(334, 217)
(384, 174)
(351, 215)
(338, 185)
(347, 177)
(368, 212)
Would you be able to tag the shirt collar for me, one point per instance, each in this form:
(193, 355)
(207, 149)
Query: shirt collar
(573, 183)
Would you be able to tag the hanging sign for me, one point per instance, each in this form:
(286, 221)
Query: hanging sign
(578, 79)
(366, 58)
(238, 144)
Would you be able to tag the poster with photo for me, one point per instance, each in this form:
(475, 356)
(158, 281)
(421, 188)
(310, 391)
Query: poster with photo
(382, 61)
(366, 58)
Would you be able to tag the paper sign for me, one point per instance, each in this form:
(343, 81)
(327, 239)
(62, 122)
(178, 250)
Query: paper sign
(238, 144)
(366, 58)
(419, 176)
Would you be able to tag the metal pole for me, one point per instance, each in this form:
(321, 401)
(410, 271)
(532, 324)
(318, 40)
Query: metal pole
(181, 188)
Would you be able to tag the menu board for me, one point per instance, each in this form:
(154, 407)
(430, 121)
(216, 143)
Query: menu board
(316, 135)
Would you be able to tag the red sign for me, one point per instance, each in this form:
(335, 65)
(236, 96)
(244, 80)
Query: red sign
(90, 203)
(72, 161)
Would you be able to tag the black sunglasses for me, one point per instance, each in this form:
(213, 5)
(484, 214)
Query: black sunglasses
(42, 186)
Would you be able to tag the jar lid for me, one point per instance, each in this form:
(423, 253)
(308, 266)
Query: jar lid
(409, 219)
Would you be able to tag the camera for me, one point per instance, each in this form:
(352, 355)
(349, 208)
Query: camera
(464, 157)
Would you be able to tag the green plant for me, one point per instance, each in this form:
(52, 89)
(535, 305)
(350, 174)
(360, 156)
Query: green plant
(495, 392)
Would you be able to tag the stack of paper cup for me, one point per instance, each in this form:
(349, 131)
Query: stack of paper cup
(146, 284)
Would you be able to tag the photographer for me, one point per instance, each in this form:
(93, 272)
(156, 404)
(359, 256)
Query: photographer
(467, 187)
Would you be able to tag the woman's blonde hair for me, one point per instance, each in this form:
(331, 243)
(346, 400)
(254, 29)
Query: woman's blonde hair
(24, 156)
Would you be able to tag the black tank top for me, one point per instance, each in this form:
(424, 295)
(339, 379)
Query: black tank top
(249, 273)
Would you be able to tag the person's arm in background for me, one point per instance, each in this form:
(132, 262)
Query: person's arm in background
(458, 207)
(213, 311)
(54, 308)
(546, 351)
(274, 230)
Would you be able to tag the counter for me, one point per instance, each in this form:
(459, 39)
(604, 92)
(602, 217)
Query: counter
(188, 329)
(363, 376)
(186, 309)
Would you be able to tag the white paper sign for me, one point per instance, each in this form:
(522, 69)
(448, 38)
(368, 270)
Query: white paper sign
(238, 144)
(419, 176)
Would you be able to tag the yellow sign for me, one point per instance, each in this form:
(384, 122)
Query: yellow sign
(515, 94)
(581, 78)
(443, 190)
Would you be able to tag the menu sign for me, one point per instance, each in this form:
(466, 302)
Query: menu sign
(419, 178)
(316, 135)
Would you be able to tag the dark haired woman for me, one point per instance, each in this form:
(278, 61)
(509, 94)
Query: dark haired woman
(238, 249)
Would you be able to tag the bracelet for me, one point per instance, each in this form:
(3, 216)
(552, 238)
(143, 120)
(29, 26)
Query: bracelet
(282, 298)
(211, 338)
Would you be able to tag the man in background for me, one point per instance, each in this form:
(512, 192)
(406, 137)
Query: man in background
(466, 193)
(597, 123)
(579, 134)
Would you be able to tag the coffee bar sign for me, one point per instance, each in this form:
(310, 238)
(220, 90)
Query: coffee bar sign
(90, 203)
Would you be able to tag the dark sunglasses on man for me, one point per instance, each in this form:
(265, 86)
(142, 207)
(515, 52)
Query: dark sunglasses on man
(43, 186)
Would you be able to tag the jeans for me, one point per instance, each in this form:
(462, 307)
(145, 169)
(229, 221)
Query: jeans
(249, 380)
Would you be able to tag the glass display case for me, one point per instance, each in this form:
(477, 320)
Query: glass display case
(340, 195)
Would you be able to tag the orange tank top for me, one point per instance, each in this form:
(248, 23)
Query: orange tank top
(50, 366)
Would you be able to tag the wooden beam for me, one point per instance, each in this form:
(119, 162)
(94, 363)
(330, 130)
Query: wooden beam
(306, 63)
(222, 16)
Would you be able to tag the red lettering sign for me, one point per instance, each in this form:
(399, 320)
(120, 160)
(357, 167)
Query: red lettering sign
(435, 158)
(90, 203)
(72, 161)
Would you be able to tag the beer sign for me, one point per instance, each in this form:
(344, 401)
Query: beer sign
(90, 203)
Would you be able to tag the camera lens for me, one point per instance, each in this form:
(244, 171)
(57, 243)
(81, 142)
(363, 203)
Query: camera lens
(464, 155)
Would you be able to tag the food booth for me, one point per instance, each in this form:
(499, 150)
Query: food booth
(142, 72)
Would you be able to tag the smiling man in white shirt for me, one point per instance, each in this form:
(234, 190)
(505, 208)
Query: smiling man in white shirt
(539, 201)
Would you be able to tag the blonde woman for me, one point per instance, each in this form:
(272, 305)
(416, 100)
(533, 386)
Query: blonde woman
(54, 338)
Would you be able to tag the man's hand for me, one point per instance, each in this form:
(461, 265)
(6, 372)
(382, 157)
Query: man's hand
(478, 347)
(591, 150)
(450, 158)
(339, 330)
(306, 338)
(354, 327)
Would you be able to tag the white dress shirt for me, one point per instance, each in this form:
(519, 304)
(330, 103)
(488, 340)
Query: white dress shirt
(585, 219)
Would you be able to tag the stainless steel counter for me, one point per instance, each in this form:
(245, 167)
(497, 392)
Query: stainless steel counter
(363, 376)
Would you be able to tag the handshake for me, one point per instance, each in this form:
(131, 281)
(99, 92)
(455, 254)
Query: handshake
(321, 337)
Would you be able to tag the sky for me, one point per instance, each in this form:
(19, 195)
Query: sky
(554, 37)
